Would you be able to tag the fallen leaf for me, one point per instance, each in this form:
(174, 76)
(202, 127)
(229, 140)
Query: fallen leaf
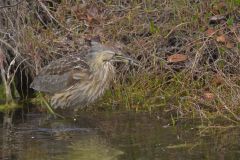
(177, 58)
(217, 80)
(210, 32)
(90, 18)
(229, 45)
(208, 96)
(221, 39)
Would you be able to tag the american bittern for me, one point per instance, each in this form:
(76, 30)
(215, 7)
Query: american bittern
(79, 80)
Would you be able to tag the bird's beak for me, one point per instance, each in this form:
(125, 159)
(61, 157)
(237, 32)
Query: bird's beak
(125, 59)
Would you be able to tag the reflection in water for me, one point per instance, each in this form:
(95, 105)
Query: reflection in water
(6, 132)
(56, 140)
(91, 148)
(86, 148)
(120, 136)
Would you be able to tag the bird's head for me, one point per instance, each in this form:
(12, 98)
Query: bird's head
(101, 54)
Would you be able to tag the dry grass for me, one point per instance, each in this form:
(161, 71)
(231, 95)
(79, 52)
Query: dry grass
(205, 85)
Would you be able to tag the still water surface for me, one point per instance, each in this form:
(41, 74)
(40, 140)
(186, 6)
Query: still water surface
(116, 136)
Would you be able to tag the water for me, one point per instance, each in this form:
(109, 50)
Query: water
(116, 136)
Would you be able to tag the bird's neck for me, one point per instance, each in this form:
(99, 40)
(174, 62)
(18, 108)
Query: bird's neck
(104, 72)
(100, 80)
(103, 75)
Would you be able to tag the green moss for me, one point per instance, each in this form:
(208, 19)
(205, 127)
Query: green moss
(9, 106)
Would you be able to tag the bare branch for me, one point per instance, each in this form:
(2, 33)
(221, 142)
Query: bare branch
(10, 47)
(51, 16)
(15, 71)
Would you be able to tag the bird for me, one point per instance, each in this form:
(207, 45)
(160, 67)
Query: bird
(77, 80)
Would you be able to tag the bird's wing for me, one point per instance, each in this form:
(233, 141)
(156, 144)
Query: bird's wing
(61, 74)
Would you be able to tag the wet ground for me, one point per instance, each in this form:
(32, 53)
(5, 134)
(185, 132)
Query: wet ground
(116, 136)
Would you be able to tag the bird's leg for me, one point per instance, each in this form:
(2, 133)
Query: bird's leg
(48, 106)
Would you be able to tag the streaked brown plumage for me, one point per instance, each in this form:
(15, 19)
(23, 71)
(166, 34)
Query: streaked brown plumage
(76, 81)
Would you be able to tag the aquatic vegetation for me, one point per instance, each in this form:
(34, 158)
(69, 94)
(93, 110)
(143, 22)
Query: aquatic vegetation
(9, 106)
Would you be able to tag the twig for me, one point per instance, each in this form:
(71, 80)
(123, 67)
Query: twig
(15, 71)
(51, 16)
(10, 47)
(172, 30)
(17, 54)
(10, 66)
